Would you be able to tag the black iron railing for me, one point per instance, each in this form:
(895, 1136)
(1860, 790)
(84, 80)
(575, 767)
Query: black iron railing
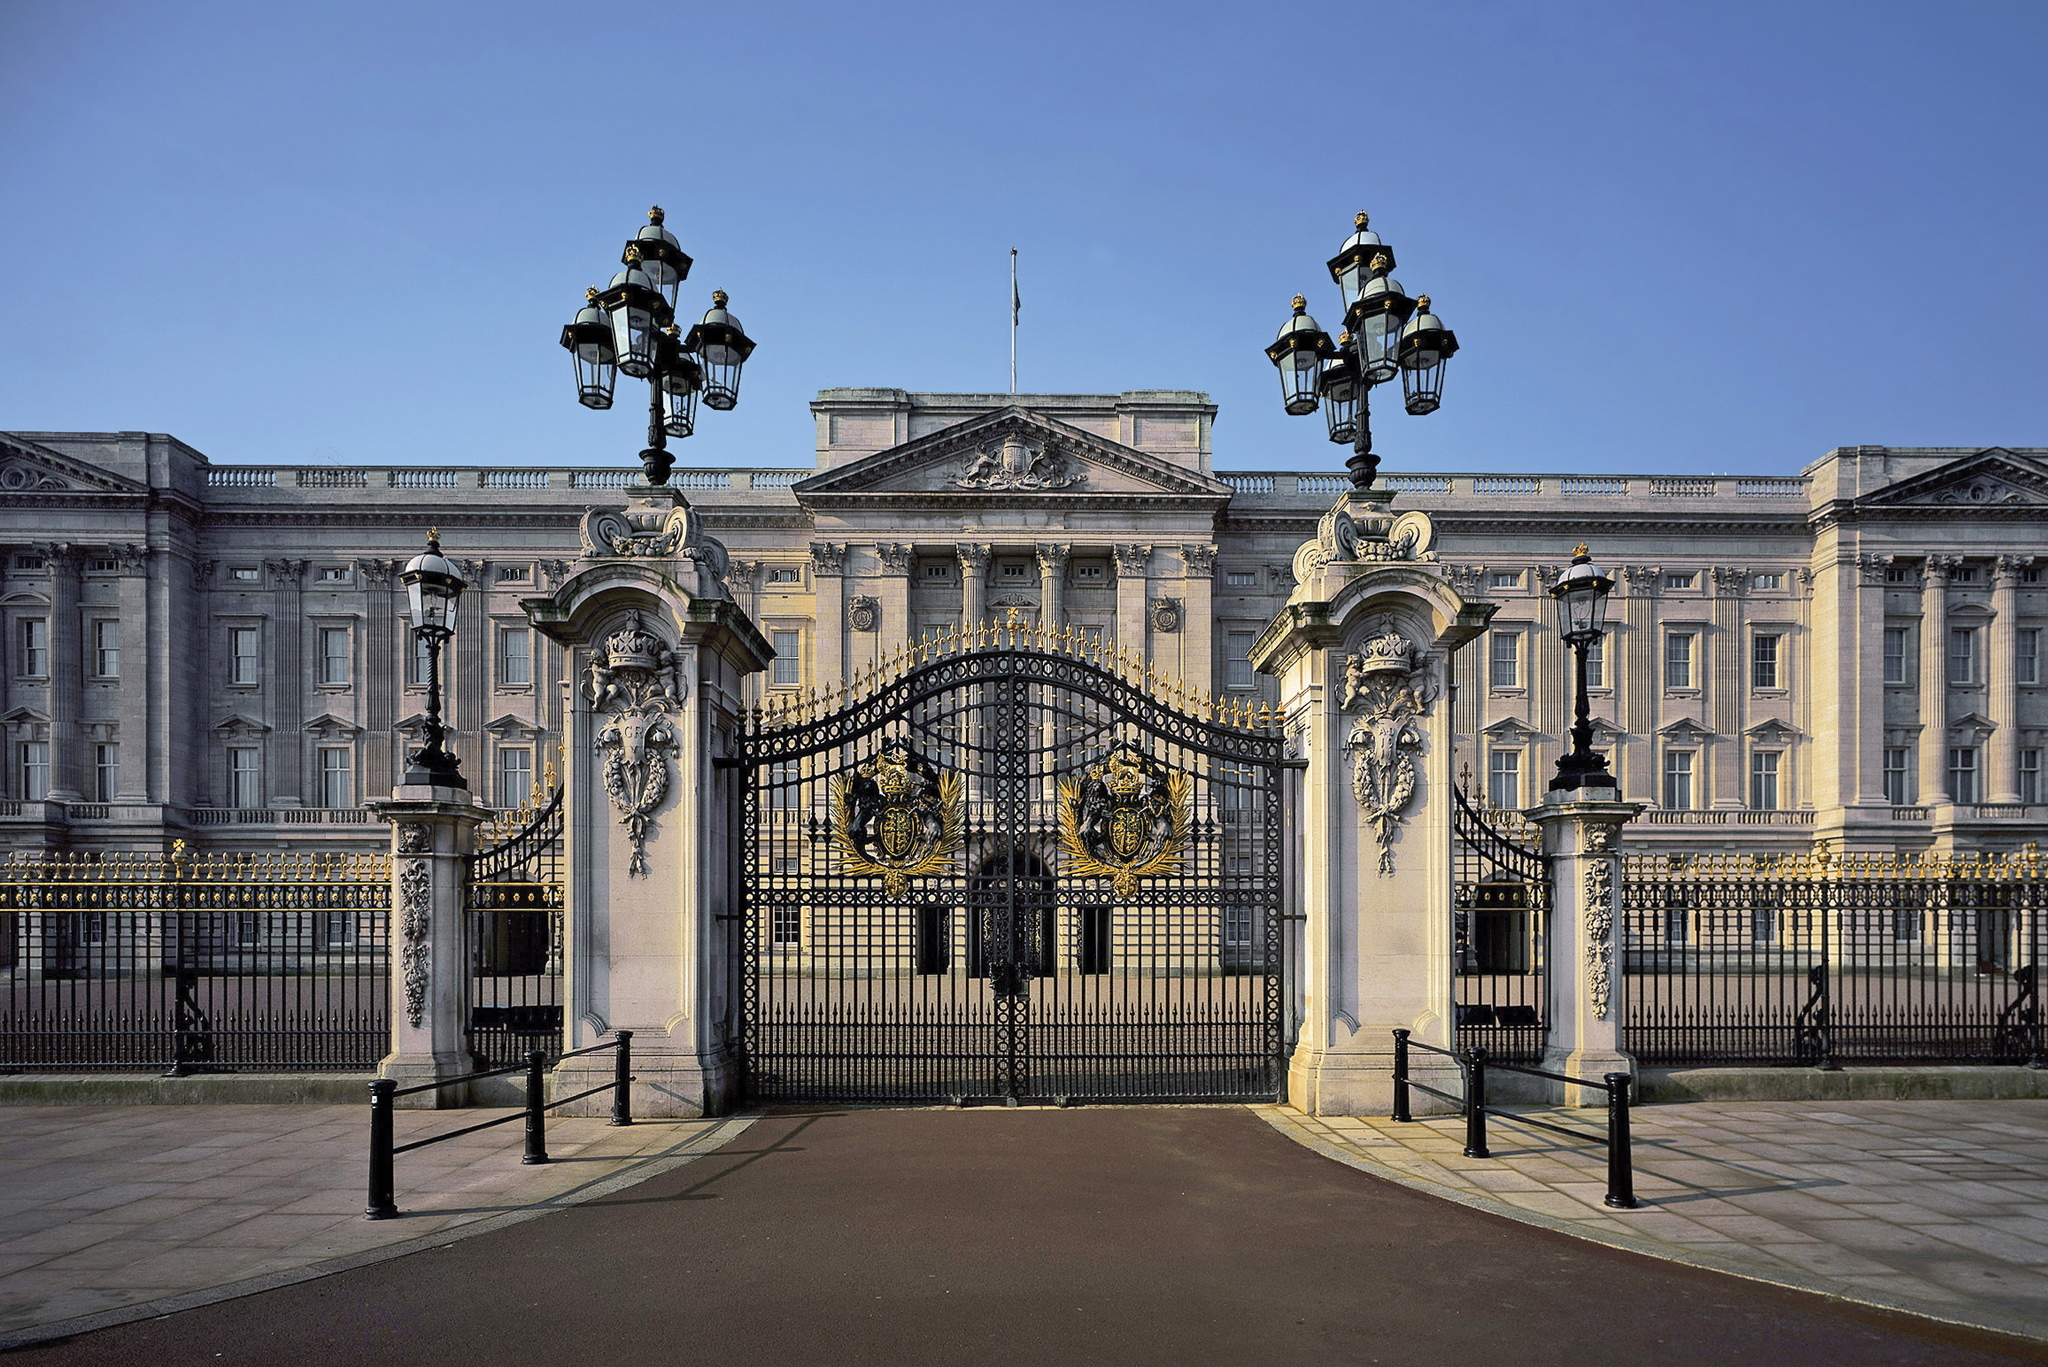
(513, 914)
(1473, 1065)
(1501, 925)
(384, 1092)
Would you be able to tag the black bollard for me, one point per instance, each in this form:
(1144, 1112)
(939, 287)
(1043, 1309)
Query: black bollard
(1475, 1104)
(1401, 1076)
(536, 1109)
(1621, 1177)
(383, 1199)
(622, 1077)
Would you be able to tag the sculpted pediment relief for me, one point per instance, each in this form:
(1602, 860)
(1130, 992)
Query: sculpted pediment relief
(1011, 453)
(26, 468)
(1991, 478)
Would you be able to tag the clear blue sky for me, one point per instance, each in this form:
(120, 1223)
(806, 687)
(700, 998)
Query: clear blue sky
(1670, 236)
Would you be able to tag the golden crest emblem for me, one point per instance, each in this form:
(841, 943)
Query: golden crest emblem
(1125, 819)
(897, 818)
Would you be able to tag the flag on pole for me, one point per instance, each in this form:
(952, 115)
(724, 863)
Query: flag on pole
(1016, 303)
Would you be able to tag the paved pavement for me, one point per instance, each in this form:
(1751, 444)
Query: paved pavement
(1931, 1206)
(107, 1207)
(1132, 1236)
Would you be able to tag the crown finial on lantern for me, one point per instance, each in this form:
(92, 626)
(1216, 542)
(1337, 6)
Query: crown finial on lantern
(1361, 218)
(1300, 302)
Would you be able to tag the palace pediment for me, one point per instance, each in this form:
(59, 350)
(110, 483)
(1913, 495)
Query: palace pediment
(1991, 478)
(26, 468)
(1010, 455)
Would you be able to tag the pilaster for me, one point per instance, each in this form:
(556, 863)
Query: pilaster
(1934, 678)
(1198, 664)
(1132, 563)
(2005, 678)
(893, 631)
(137, 635)
(433, 833)
(828, 577)
(284, 683)
(67, 675)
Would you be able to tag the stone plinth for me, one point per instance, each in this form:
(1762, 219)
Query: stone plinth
(433, 833)
(1584, 981)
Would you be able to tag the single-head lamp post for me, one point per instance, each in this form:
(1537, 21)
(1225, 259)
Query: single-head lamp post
(1581, 594)
(432, 587)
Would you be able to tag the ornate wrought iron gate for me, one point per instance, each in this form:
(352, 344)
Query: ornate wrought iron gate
(513, 906)
(1502, 933)
(1008, 868)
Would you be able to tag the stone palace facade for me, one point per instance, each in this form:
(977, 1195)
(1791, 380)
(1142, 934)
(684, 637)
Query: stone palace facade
(218, 653)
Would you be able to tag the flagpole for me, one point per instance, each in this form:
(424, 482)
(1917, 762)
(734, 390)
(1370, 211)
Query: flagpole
(1014, 303)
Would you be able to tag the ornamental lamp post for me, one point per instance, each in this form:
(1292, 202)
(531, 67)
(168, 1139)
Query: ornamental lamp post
(1581, 594)
(1385, 334)
(433, 585)
(629, 326)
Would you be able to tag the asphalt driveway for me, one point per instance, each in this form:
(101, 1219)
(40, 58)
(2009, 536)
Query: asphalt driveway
(1116, 1236)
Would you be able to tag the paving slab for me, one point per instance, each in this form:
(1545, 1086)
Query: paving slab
(1881, 1201)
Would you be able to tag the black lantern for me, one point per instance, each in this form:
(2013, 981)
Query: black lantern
(662, 259)
(1425, 345)
(1385, 336)
(588, 341)
(1581, 594)
(1376, 319)
(638, 314)
(722, 348)
(682, 379)
(433, 585)
(1340, 390)
(1358, 259)
(630, 326)
(1298, 353)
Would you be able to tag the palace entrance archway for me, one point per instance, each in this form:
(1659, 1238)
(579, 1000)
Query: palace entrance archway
(1011, 869)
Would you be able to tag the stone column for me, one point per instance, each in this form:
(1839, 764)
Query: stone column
(1197, 618)
(284, 683)
(973, 583)
(1052, 578)
(1132, 562)
(1934, 678)
(386, 655)
(138, 661)
(2004, 697)
(1861, 634)
(1727, 688)
(828, 571)
(67, 675)
(894, 592)
(433, 833)
(1584, 983)
(1362, 651)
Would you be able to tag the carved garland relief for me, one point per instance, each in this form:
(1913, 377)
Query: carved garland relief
(1599, 926)
(415, 914)
(1390, 690)
(634, 688)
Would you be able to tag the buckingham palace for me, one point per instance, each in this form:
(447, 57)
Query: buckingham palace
(1849, 653)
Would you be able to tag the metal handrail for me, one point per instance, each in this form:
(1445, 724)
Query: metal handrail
(1472, 1067)
(383, 1202)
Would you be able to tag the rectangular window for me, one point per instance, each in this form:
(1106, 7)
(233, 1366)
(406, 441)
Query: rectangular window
(422, 659)
(103, 564)
(337, 574)
(1092, 635)
(785, 574)
(1765, 670)
(1093, 572)
(1504, 579)
(1763, 924)
(785, 926)
(2030, 775)
(784, 792)
(245, 574)
(1679, 581)
(2026, 655)
(515, 656)
(245, 777)
(1015, 569)
(1240, 579)
(1238, 645)
(35, 647)
(1678, 780)
(1962, 774)
(1767, 581)
(334, 655)
(1678, 660)
(1898, 775)
(1963, 576)
(1763, 780)
(1962, 655)
(106, 649)
(1677, 919)
(1504, 780)
(937, 569)
(2031, 575)
(1895, 655)
(337, 781)
(35, 770)
(789, 665)
(1504, 660)
(1596, 663)
(515, 574)
(515, 776)
(106, 771)
(334, 929)
(1898, 574)
(242, 657)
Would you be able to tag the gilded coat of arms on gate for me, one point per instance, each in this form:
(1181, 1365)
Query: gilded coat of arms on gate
(1124, 819)
(897, 818)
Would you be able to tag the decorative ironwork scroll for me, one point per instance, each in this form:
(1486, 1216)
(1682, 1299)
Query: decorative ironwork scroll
(897, 818)
(1125, 819)
(633, 681)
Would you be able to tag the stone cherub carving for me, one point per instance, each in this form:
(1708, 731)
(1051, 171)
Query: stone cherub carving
(633, 685)
(1389, 689)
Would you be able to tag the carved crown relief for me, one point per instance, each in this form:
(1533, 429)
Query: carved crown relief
(1014, 463)
(635, 687)
(1390, 687)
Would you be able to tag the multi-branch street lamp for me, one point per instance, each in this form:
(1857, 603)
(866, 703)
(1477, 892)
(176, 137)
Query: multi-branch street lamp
(630, 325)
(1385, 334)
(1581, 594)
(433, 584)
